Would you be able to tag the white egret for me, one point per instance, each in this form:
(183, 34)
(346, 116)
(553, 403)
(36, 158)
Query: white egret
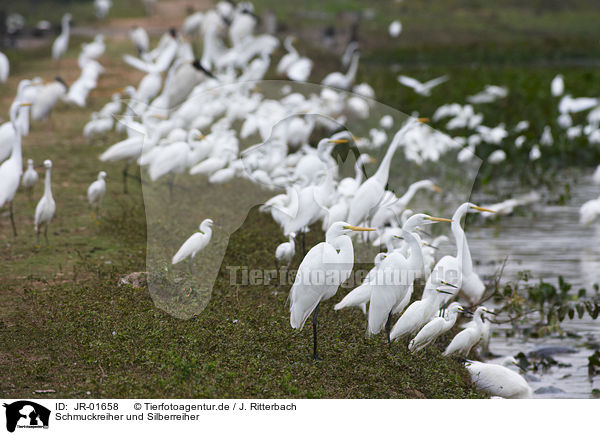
(96, 191)
(285, 252)
(557, 86)
(369, 195)
(435, 328)
(10, 175)
(61, 43)
(4, 68)
(44, 211)
(195, 243)
(101, 8)
(465, 340)
(47, 98)
(340, 80)
(323, 269)
(292, 65)
(424, 88)
(30, 177)
(589, 211)
(395, 28)
(361, 295)
(498, 380)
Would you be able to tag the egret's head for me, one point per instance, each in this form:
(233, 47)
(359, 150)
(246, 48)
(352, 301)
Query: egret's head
(101, 175)
(207, 222)
(343, 228)
(473, 208)
(47, 164)
(421, 219)
(455, 307)
(380, 257)
(29, 162)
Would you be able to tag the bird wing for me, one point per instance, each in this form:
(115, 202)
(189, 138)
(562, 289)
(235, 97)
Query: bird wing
(435, 82)
(189, 247)
(410, 82)
(139, 63)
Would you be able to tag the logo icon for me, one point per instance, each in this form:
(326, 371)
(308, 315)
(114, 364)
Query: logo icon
(26, 414)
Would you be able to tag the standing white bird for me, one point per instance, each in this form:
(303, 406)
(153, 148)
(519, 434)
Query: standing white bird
(424, 88)
(61, 43)
(498, 380)
(369, 195)
(96, 191)
(323, 269)
(47, 98)
(435, 328)
(292, 65)
(140, 39)
(44, 211)
(10, 175)
(30, 177)
(285, 252)
(195, 243)
(557, 87)
(465, 340)
(340, 80)
(395, 28)
(4, 68)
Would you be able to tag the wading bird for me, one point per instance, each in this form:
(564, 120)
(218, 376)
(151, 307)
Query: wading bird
(30, 177)
(194, 244)
(61, 43)
(323, 269)
(498, 380)
(465, 340)
(96, 191)
(435, 328)
(44, 211)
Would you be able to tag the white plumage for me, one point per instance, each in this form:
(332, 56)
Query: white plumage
(61, 43)
(498, 380)
(97, 189)
(44, 211)
(47, 98)
(4, 68)
(285, 251)
(195, 243)
(30, 177)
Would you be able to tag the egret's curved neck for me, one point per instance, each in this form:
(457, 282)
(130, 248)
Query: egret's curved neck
(47, 186)
(16, 153)
(452, 319)
(343, 244)
(66, 27)
(358, 172)
(415, 260)
(205, 228)
(289, 47)
(383, 172)
(353, 68)
(463, 255)
(410, 193)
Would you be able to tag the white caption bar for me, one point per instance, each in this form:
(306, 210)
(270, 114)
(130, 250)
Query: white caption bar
(296, 416)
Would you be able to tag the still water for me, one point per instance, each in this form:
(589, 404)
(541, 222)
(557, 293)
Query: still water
(548, 241)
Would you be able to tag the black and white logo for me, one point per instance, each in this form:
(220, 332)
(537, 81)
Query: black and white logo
(25, 414)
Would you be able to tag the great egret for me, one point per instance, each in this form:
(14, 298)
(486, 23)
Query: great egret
(435, 328)
(47, 98)
(96, 191)
(396, 274)
(370, 193)
(195, 243)
(4, 68)
(458, 270)
(30, 177)
(361, 295)
(285, 252)
(498, 380)
(465, 340)
(44, 211)
(323, 269)
(61, 43)
(424, 88)
(340, 80)
(10, 175)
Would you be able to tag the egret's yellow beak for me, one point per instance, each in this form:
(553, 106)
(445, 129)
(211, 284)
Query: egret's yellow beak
(338, 141)
(355, 139)
(353, 228)
(372, 160)
(157, 116)
(438, 219)
(437, 188)
(423, 119)
(26, 104)
(200, 136)
(482, 209)
(118, 90)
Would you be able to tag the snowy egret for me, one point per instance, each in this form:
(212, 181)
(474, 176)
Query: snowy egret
(424, 88)
(61, 43)
(340, 80)
(195, 243)
(30, 177)
(44, 211)
(435, 328)
(465, 340)
(323, 269)
(96, 191)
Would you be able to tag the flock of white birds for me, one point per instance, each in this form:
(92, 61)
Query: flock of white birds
(181, 117)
